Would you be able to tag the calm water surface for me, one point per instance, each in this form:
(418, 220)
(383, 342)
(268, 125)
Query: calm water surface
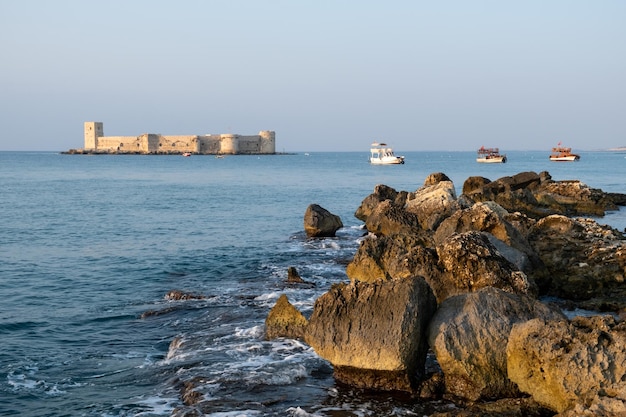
(90, 246)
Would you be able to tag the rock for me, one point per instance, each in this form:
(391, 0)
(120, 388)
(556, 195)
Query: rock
(568, 365)
(373, 334)
(380, 194)
(469, 261)
(469, 333)
(389, 219)
(490, 217)
(393, 257)
(537, 195)
(584, 259)
(293, 276)
(177, 295)
(284, 320)
(432, 203)
(319, 222)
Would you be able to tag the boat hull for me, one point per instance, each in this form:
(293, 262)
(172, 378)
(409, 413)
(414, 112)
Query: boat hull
(492, 160)
(568, 158)
(387, 161)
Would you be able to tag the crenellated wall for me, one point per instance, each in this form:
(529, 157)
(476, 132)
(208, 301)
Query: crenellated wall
(263, 143)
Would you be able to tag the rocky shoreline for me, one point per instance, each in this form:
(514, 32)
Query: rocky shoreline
(447, 298)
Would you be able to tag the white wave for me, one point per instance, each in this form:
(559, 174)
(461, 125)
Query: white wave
(299, 412)
(157, 406)
(252, 332)
(242, 413)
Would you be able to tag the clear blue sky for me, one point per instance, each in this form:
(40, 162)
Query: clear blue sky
(325, 75)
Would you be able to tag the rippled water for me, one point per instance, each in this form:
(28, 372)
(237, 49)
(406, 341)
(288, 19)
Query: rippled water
(90, 246)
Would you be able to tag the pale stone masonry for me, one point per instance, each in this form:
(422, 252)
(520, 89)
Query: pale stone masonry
(151, 143)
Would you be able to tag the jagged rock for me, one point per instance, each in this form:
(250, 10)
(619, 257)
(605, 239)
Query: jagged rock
(537, 195)
(373, 334)
(293, 275)
(469, 261)
(389, 219)
(433, 202)
(393, 257)
(585, 260)
(569, 365)
(319, 222)
(284, 320)
(490, 217)
(177, 295)
(380, 194)
(469, 333)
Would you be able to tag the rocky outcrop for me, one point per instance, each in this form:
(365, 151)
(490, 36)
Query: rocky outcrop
(483, 257)
(585, 260)
(574, 367)
(469, 333)
(537, 195)
(374, 334)
(284, 320)
(319, 222)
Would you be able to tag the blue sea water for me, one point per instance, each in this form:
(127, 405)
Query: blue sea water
(90, 246)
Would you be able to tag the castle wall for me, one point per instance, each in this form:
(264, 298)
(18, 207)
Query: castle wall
(263, 143)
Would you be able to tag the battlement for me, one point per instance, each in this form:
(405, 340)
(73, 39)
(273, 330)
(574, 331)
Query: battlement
(151, 143)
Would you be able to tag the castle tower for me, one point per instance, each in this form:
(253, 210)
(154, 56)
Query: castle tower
(268, 141)
(93, 131)
(230, 144)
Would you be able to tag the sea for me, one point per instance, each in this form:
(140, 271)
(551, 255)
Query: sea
(90, 246)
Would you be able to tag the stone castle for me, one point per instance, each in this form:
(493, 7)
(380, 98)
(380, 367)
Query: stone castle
(151, 143)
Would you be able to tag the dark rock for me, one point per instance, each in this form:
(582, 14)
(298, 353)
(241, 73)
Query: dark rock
(380, 194)
(177, 295)
(319, 222)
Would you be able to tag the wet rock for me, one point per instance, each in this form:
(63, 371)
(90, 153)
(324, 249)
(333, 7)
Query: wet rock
(374, 334)
(293, 276)
(571, 365)
(177, 295)
(284, 320)
(469, 334)
(319, 222)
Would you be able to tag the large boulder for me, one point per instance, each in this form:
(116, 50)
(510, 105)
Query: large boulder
(469, 333)
(284, 320)
(388, 219)
(585, 260)
(374, 334)
(380, 194)
(393, 257)
(433, 202)
(577, 365)
(319, 222)
(469, 261)
(490, 217)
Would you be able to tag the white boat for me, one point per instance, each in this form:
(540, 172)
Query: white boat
(490, 156)
(562, 154)
(382, 154)
(186, 154)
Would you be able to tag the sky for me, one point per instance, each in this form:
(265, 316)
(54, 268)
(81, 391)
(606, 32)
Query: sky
(324, 75)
